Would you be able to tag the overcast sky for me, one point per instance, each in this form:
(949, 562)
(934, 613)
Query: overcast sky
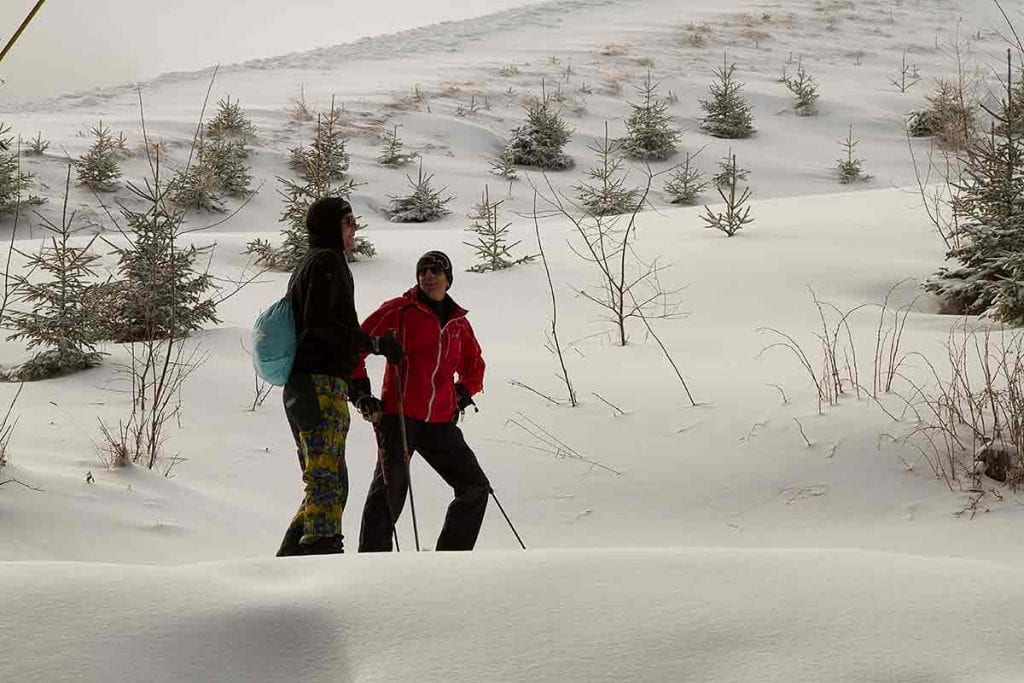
(78, 44)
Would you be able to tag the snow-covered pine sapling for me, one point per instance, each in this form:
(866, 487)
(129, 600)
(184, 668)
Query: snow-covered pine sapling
(650, 135)
(727, 111)
(539, 141)
(37, 146)
(322, 176)
(805, 90)
(327, 156)
(608, 194)
(392, 154)
(226, 147)
(729, 172)
(849, 166)
(300, 111)
(987, 242)
(197, 186)
(504, 165)
(951, 115)
(908, 76)
(230, 123)
(423, 204)
(736, 215)
(99, 168)
(13, 181)
(58, 319)
(686, 182)
(493, 252)
(159, 292)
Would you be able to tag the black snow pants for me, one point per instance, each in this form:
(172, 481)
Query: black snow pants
(443, 448)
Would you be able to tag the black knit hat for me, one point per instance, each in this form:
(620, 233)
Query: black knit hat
(436, 259)
(323, 222)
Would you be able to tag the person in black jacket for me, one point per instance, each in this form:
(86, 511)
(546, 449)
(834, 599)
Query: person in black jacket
(321, 292)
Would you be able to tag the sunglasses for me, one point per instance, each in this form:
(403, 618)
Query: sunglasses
(436, 270)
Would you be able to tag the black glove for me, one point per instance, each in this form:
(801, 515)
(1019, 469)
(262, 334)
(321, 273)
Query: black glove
(369, 406)
(463, 401)
(388, 347)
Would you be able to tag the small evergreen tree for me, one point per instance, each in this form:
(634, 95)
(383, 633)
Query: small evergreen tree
(392, 154)
(328, 157)
(37, 146)
(59, 320)
(323, 175)
(736, 215)
(230, 123)
(158, 292)
(988, 245)
(850, 167)
(492, 248)
(649, 131)
(540, 140)
(805, 90)
(686, 183)
(728, 114)
(728, 172)
(197, 186)
(951, 116)
(13, 181)
(504, 165)
(608, 195)
(423, 205)
(99, 167)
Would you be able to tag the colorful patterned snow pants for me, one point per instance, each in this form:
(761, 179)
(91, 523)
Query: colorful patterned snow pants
(317, 411)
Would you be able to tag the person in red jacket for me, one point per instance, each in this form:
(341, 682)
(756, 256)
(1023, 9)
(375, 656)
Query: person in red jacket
(422, 389)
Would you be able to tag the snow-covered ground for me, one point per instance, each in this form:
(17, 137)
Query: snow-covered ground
(745, 538)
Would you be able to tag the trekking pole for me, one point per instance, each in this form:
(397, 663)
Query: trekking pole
(387, 496)
(405, 452)
(510, 525)
(17, 34)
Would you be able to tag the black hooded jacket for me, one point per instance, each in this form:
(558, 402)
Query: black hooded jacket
(322, 295)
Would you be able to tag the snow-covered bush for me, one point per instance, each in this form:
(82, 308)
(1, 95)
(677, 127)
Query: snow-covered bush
(56, 317)
(608, 194)
(850, 167)
(988, 241)
(686, 182)
(37, 146)
(158, 292)
(13, 181)
(492, 249)
(650, 134)
(736, 215)
(392, 154)
(728, 172)
(99, 168)
(324, 166)
(504, 166)
(805, 90)
(539, 141)
(423, 204)
(230, 123)
(950, 117)
(727, 113)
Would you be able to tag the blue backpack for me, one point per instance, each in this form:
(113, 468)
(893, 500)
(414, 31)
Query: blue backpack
(274, 342)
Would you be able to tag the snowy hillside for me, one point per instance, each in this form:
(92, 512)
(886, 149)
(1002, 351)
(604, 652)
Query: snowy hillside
(757, 535)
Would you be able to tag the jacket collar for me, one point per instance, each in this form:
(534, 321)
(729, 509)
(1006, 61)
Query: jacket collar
(412, 298)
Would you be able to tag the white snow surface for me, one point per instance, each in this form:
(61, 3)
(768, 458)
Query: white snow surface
(745, 538)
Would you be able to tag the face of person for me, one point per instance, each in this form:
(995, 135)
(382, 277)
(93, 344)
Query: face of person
(348, 231)
(433, 282)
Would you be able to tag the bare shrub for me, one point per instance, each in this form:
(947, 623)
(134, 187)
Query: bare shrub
(972, 406)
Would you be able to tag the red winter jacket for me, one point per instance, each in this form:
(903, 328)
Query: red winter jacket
(433, 355)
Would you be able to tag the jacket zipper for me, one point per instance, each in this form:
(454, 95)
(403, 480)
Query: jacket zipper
(437, 366)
